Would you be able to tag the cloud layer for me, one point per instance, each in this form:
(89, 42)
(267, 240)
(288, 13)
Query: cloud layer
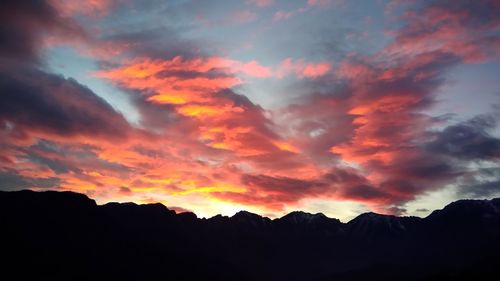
(360, 129)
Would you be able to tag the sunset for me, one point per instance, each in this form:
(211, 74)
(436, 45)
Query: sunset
(336, 107)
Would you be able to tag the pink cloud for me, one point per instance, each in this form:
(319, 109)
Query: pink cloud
(254, 69)
(302, 69)
(260, 3)
(91, 8)
(242, 17)
(453, 30)
(316, 70)
(323, 3)
(283, 15)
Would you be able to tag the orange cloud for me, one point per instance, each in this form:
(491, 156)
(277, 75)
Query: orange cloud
(228, 134)
(180, 81)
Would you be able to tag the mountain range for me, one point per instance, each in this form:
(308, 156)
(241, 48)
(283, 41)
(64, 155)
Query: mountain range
(67, 236)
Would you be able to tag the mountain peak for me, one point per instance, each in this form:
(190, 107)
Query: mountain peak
(246, 217)
(245, 214)
(467, 210)
(368, 224)
(303, 217)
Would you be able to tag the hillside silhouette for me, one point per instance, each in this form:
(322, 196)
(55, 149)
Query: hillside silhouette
(67, 236)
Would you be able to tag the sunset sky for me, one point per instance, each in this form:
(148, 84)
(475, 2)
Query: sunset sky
(331, 106)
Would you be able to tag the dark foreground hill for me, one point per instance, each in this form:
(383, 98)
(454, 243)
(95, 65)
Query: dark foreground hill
(66, 236)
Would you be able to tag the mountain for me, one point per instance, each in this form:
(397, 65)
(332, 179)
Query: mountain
(67, 236)
(381, 226)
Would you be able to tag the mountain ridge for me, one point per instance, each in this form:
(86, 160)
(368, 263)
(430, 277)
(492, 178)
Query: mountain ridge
(65, 235)
(292, 213)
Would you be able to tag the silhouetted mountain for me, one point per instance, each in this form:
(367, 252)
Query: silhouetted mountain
(382, 226)
(306, 224)
(66, 236)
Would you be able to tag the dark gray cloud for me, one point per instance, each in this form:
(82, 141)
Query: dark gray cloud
(397, 211)
(36, 100)
(282, 184)
(11, 180)
(151, 43)
(77, 157)
(31, 98)
(480, 183)
(483, 189)
(56, 166)
(469, 140)
(478, 12)
(364, 192)
(23, 25)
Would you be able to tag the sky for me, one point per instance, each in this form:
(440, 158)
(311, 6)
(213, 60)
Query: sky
(270, 106)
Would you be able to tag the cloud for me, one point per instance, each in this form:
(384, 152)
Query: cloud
(10, 180)
(468, 140)
(241, 17)
(179, 210)
(29, 28)
(228, 133)
(358, 133)
(388, 127)
(323, 3)
(388, 131)
(383, 143)
(23, 25)
(315, 70)
(463, 29)
(149, 42)
(35, 101)
(181, 81)
(260, 3)
(302, 69)
(92, 8)
(254, 69)
(49, 124)
(481, 182)
(483, 189)
(284, 15)
(274, 192)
